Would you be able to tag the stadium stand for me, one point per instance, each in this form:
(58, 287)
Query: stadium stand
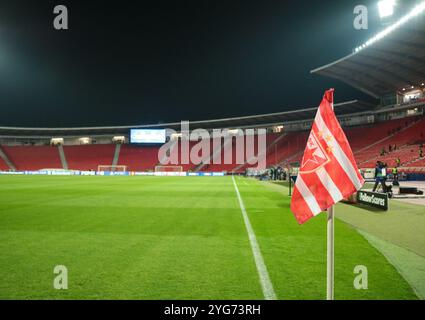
(138, 158)
(289, 149)
(3, 165)
(367, 142)
(364, 137)
(282, 149)
(404, 139)
(187, 166)
(417, 164)
(88, 157)
(214, 154)
(229, 148)
(33, 157)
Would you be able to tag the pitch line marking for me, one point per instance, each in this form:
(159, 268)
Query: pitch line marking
(265, 281)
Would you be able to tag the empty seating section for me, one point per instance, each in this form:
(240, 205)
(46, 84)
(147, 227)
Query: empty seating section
(418, 163)
(221, 156)
(145, 158)
(405, 153)
(139, 158)
(3, 165)
(405, 139)
(186, 166)
(288, 149)
(367, 143)
(363, 136)
(89, 157)
(33, 157)
(273, 144)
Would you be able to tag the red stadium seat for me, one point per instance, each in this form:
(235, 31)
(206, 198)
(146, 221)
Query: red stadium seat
(33, 157)
(139, 158)
(3, 165)
(89, 157)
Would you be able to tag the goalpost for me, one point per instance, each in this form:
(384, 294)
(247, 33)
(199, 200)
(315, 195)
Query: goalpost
(168, 169)
(111, 168)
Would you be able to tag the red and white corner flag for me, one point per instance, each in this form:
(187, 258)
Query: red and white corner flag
(328, 171)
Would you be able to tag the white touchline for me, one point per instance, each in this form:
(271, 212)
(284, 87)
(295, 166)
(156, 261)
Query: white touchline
(265, 282)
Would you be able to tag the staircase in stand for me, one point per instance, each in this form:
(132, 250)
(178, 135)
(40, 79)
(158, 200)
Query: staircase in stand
(62, 157)
(7, 160)
(116, 154)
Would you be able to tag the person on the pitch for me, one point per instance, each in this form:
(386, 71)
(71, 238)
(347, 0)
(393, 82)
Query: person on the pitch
(380, 176)
(395, 176)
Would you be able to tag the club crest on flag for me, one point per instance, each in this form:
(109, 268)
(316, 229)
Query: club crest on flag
(315, 156)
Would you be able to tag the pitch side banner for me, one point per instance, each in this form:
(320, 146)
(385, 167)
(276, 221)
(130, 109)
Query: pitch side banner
(373, 199)
(107, 173)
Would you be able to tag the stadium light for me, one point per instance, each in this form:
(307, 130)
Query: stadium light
(84, 140)
(386, 8)
(119, 139)
(56, 141)
(175, 136)
(233, 131)
(420, 8)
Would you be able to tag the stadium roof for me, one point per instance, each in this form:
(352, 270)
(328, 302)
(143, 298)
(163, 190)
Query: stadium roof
(392, 61)
(270, 119)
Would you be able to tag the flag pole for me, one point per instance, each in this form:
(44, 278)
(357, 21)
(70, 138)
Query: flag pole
(330, 255)
(330, 248)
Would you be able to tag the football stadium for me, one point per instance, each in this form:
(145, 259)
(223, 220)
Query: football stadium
(172, 211)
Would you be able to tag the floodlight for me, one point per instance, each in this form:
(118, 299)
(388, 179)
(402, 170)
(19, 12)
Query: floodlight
(386, 8)
(84, 140)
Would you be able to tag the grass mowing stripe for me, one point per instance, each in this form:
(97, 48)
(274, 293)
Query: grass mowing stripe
(265, 281)
(408, 264)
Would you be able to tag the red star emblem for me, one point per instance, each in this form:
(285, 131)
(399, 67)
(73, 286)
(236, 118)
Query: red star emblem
(314, 156)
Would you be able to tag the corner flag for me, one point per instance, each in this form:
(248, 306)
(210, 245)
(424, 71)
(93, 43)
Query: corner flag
(328, 171)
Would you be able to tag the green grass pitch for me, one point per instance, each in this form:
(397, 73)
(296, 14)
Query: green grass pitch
(172, 238)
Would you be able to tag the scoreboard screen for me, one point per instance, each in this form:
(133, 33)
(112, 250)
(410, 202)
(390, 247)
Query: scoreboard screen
(147, 136)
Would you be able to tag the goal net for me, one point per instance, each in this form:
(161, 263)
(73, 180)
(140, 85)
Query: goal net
(111, 168)
(168, 169)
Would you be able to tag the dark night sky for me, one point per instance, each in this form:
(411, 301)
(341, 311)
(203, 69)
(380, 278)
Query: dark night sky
(126, 62)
